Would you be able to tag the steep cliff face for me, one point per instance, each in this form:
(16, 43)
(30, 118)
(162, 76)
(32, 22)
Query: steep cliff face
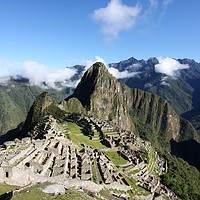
(104, 97)
(155, 111)
(131, 109)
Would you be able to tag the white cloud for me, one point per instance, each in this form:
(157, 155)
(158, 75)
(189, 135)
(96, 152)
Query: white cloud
(116, 17)
(4, 79)
(148, 85)
(134, 66)
(99, 59)
(153, 3)
(119, 75)
(169, 66)
(89, 63)
(164, 81)
(39, 74)
(115, 72)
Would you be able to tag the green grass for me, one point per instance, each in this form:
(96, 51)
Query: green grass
(116, 158)
(80, 138)
(137, 189)
(107, 194)
(6, 188)
(134, 171)
(94, 175)
(37, 194)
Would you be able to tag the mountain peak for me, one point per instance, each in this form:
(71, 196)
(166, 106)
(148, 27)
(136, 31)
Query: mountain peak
(93, 77)
(98, 67)
(39, 109)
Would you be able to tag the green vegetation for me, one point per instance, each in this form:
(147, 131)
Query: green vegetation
(43, 105)
(181, 177)
(107, 194)
(37, 194)
(6, 188)
(16, 98)
(134, 171)
(116, 158)
(76, 134)
(137, 190)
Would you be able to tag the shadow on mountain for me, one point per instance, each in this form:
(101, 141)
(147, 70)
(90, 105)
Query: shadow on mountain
(187, 150)
(195, 100)
(10, 135)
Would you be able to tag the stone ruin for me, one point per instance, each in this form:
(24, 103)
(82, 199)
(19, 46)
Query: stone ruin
(56, 158)
(131, 148)
(21, 161)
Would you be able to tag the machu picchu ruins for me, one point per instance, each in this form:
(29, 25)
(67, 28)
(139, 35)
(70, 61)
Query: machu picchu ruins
(57, 159)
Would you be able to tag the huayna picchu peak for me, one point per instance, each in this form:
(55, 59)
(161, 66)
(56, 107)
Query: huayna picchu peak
(132, 109)
(107, 140)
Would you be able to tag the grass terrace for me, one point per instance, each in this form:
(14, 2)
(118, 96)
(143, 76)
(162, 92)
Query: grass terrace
(6, 188)
(37, 194)
(116, 158)
(75, 133)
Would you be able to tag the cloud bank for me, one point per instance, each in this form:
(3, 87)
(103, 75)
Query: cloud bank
(116, 17)
(169, 66)
(119, 75)
(39, 74)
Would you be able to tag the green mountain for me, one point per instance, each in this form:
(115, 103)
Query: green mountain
(17, 96)
(42, 106)
(146, 114)
(181, 91)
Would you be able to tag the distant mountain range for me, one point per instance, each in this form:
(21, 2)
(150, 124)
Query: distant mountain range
(181, 91)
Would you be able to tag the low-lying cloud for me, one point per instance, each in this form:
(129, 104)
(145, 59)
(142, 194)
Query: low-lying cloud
(116, 17)
(119, 75)
(40, 75)
(115, 72)
(169, 66)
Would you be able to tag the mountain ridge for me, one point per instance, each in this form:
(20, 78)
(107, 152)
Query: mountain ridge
(181, 93)
(115, 101)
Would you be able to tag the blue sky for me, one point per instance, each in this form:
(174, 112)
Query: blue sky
(60, 33)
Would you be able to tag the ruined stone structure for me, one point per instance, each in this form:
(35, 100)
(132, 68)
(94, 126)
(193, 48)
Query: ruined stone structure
(22, 161)
(57, 159)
